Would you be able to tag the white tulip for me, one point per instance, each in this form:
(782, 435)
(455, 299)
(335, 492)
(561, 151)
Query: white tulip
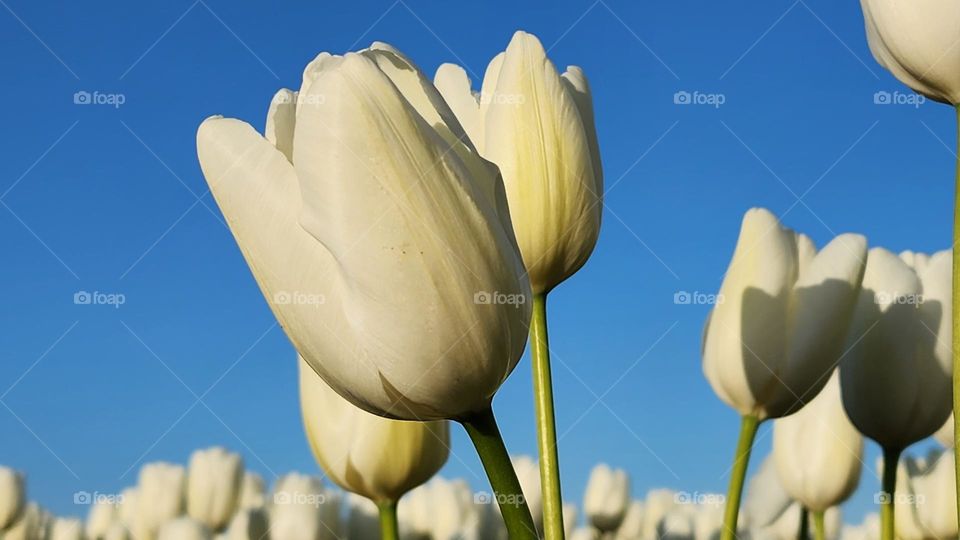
(868, 530)
(117, 531)
(786, 525)
(677, 525)
(927, 506)
(631, 528)
(916, 41)
(253, 492)
(708, 518)
(67, 529)
(818, 452)
(183, 528)
(659, 503)
(538, 127)
(31, 525)
(781, 317)
(585, 533)
(765, 499)
(248, 524)
(895, 377)
(607, 497)
(128, 511)
(213, 486)
(102, 515)
(376, 457)
(570, 517)
(12, 496)
(528, 472)
(160, 497)
(416, 514)
(378, 240)
(362, 517)
(298, 512)
(441, 510)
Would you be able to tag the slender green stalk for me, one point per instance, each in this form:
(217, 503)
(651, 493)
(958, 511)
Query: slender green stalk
(389, 530)
(483, 431)
(748, 431)
(888, 493)
(956, 318)
(804, 532)
(546, 423)
(819, 528)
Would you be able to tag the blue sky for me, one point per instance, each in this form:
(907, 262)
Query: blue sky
(108, 198)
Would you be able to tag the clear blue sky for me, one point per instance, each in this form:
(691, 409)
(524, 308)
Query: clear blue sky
(111, 199)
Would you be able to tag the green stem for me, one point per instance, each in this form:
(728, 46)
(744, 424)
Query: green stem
(546, 423)
(956, 318)
(389, 530)
(819, 528)
(483, 431)
(804, 533)
(748, 431)
(889, 493)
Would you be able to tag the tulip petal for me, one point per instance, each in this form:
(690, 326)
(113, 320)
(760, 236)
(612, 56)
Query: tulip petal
(535, 134)
(281, 118)
(821, 307)
(743, 350)
(576, 82)
(453, 84)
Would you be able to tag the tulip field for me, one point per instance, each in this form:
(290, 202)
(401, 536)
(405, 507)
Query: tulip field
(405, 221)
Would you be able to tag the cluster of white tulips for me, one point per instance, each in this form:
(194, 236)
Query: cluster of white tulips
(433, 220)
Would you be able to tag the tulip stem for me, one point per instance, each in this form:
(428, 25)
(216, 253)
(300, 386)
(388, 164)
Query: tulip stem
(389, 530)
(819, 529)
(956, 318)
(483, 431)
(748, 431)
(546, 422)
(889, 493)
